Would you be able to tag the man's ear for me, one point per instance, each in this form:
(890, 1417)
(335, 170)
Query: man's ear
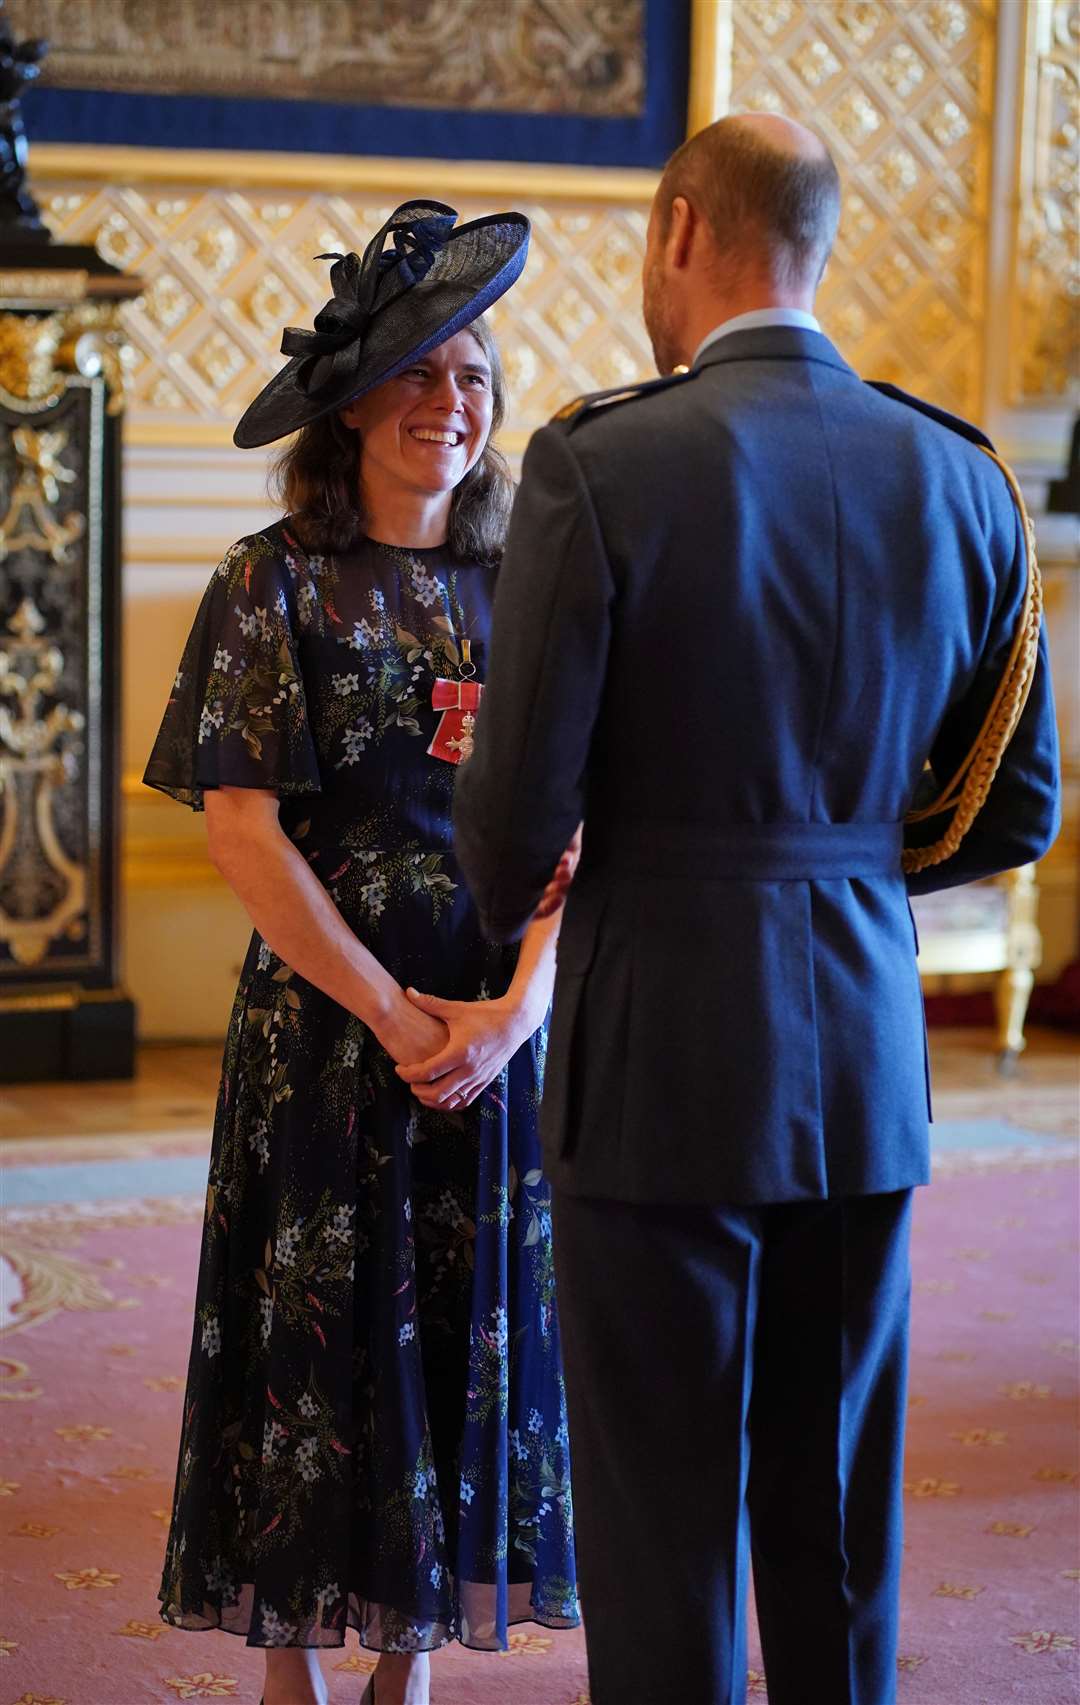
(681, 231)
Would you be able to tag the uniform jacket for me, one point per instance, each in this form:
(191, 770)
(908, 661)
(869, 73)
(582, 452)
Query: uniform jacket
(737, 616)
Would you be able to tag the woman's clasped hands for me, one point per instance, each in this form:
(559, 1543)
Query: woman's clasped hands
(481, 1036)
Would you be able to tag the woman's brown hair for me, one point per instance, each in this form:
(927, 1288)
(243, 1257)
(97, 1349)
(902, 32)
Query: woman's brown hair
(316, 478)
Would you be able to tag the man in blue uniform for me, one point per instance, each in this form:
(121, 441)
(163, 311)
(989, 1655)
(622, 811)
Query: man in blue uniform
(742, 608)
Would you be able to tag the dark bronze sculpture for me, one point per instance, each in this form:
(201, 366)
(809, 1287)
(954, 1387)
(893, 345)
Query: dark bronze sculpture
(20, 65)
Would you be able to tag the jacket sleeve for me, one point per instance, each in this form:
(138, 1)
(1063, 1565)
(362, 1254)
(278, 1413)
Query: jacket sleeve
(1021, 814)
(521, 796)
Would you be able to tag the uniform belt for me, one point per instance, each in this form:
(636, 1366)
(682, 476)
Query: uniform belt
(749, 852)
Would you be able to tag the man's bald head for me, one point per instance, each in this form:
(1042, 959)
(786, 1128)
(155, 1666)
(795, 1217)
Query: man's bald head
(767, 189)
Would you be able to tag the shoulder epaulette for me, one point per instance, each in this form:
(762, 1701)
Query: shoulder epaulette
(943, 418)
(572, 413)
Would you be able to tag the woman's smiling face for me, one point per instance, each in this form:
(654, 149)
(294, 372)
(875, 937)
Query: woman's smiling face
(427, 427)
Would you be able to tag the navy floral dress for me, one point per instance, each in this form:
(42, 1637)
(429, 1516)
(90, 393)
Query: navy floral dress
(374, 1431)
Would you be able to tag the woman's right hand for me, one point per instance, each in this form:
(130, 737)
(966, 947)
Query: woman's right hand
(409, 1035)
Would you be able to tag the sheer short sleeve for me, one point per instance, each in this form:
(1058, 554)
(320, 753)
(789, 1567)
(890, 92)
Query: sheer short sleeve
(237, 716)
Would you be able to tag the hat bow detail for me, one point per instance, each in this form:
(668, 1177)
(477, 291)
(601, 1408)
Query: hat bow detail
(356, 284)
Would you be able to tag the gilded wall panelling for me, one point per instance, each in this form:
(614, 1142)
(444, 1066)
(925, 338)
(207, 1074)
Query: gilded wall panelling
(1045, 341)
(902, 93)
(225, 268)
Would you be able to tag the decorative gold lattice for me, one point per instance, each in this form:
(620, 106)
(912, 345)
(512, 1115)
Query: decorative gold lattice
(226, 269)
(901, 91)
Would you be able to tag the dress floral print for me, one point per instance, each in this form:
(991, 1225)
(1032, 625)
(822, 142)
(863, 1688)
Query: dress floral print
(374, 1429)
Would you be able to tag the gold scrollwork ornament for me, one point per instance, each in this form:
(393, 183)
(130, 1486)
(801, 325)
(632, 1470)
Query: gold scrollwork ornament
(45, 890)
(93, 341)
(28, 350)
(39, 351)
(28, 523)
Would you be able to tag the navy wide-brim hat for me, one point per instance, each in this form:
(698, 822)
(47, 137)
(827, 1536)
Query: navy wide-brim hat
(421, 280)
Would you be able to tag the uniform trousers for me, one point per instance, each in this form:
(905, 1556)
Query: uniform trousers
(736, 1381)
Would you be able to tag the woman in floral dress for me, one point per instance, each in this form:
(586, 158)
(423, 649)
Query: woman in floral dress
(374, 1432)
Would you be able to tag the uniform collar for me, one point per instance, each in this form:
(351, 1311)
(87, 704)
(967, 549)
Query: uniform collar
(774, 343)
(751, 321)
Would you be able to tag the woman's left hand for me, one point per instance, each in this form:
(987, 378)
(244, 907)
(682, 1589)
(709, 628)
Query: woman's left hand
(483, 1036)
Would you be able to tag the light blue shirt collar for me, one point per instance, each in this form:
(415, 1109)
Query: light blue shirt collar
(755, 318)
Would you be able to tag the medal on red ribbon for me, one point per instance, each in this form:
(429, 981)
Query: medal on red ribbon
(459, 702)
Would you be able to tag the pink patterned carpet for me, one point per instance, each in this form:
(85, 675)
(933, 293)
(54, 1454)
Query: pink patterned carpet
(96, 1334)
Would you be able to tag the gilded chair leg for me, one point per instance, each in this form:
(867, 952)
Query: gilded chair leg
(1023, 952)
(1011, 995)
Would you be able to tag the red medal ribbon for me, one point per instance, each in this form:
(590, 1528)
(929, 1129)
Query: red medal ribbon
(459, 702)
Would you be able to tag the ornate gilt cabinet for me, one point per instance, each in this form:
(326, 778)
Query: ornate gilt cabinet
(62, 1011)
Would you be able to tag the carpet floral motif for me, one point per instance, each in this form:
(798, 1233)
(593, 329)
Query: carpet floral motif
(526, 1646)
(82, 1580)
(12, 1374)
(203, 1686)
(929, 1487)
(1042, 1641)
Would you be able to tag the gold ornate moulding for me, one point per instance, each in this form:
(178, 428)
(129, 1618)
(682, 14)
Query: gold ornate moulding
(39, 752)
(30, 289)
(118, 164)
(27, 289)
(38, 353)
